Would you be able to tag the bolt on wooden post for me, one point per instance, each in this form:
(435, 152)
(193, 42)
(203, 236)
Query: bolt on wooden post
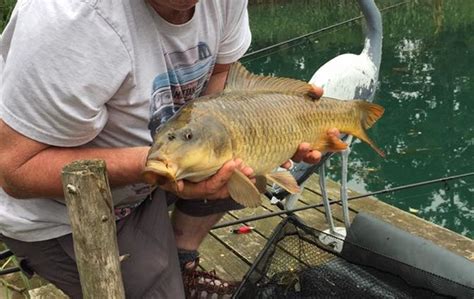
(89, 203)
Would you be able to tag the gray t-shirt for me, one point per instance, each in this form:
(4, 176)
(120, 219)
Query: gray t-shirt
(93, 73)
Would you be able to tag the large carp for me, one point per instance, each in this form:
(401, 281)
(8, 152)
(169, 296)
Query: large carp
(261, 120)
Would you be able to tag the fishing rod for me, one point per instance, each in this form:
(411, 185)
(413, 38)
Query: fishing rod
(10, 270)
(291, 40)
(388, 190)
(409, 186)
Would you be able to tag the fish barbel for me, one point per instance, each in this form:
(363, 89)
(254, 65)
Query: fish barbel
(261, 120)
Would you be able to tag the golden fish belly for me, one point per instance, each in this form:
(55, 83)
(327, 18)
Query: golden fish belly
(267, 128)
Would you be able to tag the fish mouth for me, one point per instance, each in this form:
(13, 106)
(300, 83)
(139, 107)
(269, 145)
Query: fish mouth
(158, 172)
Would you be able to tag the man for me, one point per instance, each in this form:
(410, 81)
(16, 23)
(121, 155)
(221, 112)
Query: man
(88, 80)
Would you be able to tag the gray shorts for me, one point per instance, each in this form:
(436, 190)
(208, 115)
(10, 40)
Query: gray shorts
(152, 270)
(146, 234)
(203, 207)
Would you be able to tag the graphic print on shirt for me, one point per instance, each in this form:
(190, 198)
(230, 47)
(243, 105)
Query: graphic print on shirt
(187, 75)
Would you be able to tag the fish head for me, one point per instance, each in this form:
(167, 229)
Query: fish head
(191, 149)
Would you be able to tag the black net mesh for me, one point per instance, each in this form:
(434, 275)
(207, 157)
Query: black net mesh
(295, 264)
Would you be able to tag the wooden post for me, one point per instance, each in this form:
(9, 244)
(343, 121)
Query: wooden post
(89, 202)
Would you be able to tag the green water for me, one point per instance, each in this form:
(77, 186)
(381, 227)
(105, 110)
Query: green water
(426, 87)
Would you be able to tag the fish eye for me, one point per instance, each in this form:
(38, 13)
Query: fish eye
(187, 135)
(171, 136)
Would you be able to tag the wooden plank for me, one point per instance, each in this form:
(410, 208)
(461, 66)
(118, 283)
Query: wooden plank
(48, 291)
(312, 217)
(253, 242)
(224, 261)
(263, 226)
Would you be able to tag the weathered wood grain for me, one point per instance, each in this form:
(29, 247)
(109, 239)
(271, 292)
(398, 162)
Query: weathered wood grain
(89, 203)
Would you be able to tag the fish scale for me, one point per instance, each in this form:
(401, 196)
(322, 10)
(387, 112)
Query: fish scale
(267, 128)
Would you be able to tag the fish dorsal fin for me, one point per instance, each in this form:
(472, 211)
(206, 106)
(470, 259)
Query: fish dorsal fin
(240, 79)
(243, 191)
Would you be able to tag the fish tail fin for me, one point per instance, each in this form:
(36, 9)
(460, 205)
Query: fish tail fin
(363, 136)
(369, 114)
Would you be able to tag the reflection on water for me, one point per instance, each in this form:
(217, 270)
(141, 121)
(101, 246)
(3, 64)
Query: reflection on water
(426, 86)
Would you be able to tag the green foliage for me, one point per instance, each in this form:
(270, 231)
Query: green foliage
(6, 7)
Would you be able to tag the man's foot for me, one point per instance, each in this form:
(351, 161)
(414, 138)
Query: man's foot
(201, 284)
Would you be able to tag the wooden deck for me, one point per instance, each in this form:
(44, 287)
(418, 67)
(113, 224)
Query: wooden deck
(231, 255)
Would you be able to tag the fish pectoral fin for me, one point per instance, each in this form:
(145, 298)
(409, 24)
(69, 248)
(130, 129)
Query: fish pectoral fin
(329, 144)
(261, 183)
(240, 79)
(285, 180)
(243, 191)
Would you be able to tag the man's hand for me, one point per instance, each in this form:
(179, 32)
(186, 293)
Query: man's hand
(306, 154)
(318, 91)
(215, 187)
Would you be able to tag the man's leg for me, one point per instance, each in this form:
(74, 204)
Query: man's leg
(152, 270)
(192, 220)
(190, 231)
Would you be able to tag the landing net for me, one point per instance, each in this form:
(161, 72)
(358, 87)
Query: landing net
(295, 264)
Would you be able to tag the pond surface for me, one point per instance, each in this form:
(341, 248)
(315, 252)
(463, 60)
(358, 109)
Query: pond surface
(426, 86)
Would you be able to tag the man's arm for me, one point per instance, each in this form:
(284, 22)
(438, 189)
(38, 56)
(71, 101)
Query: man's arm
(32, 169)
(217, 81)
